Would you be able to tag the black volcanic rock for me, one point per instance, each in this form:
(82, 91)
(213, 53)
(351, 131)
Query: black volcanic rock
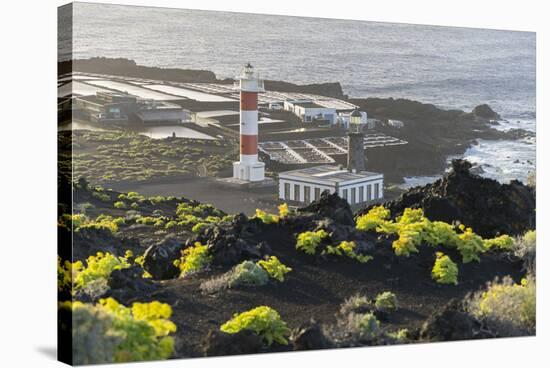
(219, 343)
(310, 336)
(331, 206)
(158, 259)
(129, 68)
(487, 206)
(451, 323)
(232, 242)
(485, 112)
(329, 89)
(88, 241)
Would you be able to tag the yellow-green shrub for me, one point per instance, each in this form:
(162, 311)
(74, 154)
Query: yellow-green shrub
(105, 222)
(139, 333)
(267, 218)
(247, 273)
(445, 271)
(309, 241)
(375, 217)
(283, 210)
(193, 259)
(99, 266)
(275, 268)
(386, 301)
(199, 227)
(119, 205)
(507, 307)
(263, 320)
(64, 275)
(470, 245)
(414, 229)
(503, 242)
(347, 248)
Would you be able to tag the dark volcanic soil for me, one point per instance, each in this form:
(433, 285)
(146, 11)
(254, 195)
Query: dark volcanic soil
(315, 289)
(316, 286)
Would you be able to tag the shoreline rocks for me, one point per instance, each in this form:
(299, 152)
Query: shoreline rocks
(487, 206)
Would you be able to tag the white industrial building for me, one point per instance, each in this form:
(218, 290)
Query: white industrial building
(309, 111)
(306, 185)
(354, 183)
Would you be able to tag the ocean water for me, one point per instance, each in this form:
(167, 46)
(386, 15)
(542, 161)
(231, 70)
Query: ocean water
(448, 66)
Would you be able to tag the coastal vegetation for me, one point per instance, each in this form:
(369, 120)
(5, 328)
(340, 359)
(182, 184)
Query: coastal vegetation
(263, 321)
(111, 332)
(229, 276)
(122, 156)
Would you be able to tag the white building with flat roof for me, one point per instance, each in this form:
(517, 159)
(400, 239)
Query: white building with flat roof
(306, 185)
(309, 111)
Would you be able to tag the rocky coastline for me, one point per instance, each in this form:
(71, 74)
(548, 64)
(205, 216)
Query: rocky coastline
(433, 134)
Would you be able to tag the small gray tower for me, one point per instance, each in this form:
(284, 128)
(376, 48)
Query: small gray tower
(356, 148)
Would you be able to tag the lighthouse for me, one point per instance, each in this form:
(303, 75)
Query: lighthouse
(248, 168)
(356, 148)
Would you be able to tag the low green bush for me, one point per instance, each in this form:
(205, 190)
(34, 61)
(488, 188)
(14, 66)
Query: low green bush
(104, 222)
(248, 273)
(193, 259)
(119, 205)
(355, 304)
(308, 241)
(525, 248)
(414, 229)
(97, 267)
(111, 332)
(275, 268)
(101, 196)
(386, 301)
(400, 336)
(199, 227)
(374, 218)
(507, 308)
(170, 224)
(347, 248)
(267, 218)
(361, 326)
(503, 242)
(263, 321)
(445, 271)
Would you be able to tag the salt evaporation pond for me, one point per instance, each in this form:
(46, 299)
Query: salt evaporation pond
(133, 90)
(213, 114)
(78, 88)
(193, 95)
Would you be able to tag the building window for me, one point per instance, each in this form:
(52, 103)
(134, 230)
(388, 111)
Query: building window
(317, 193)
(369, 192)
(307, 194)
(345, 194)
(297, 192)
(376, 191)
(361, 194)
(286, 193)
(352, 199)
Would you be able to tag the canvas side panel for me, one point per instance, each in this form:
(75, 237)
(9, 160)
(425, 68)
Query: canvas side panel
(64, 182)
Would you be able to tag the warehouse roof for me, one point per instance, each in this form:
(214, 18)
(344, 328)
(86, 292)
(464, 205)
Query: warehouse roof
(329, 174)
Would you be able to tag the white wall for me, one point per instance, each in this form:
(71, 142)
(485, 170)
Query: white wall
(302, 186)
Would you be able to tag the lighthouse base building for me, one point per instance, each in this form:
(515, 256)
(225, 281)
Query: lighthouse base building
(354, 183)
(253, 171)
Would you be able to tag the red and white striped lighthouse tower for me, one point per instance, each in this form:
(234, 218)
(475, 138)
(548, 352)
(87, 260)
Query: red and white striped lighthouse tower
(249, 168)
